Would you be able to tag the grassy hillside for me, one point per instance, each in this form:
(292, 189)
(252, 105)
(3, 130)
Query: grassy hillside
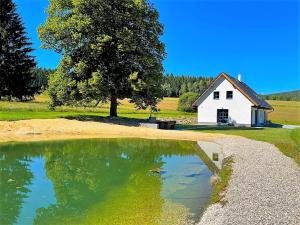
(284, 96)
(38, 109)
(286, 112)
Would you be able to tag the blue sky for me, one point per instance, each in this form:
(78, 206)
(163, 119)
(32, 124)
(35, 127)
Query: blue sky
(257, 38)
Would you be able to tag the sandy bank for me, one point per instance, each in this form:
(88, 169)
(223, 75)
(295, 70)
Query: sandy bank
(59, 129)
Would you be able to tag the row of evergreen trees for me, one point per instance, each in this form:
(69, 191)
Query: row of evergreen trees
(17, 64)
(284, 96)
(174, 86)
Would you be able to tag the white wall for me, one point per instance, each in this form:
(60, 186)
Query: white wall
(239, 107)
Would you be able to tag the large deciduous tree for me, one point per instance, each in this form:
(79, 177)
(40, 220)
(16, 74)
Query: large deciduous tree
(111, 50)
(16, 63)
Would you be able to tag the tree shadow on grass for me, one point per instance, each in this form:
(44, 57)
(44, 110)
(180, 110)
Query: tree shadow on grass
(135, 122)
(125, 121)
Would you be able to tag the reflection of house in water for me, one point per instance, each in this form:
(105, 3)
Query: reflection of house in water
(213, 151)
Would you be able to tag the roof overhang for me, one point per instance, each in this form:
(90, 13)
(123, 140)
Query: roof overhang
(264, 108)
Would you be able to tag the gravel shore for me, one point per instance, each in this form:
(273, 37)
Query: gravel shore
(264, 187)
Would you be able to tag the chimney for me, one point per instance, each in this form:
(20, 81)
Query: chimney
(240, 77)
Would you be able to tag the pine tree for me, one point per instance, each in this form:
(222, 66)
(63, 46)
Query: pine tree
(16, 63)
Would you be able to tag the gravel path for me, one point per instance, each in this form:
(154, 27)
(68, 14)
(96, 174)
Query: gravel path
(264, 188)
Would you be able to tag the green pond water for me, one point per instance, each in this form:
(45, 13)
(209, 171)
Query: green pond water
(103, 181)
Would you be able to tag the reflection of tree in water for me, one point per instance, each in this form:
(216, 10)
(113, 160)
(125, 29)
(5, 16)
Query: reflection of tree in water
(106, 182)
(14, 177)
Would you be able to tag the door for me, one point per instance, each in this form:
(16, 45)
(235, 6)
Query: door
(256, 117)
(253, 117)
(222, 115)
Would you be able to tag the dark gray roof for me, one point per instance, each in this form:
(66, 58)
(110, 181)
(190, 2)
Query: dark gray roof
(244, 89)
(251, 93)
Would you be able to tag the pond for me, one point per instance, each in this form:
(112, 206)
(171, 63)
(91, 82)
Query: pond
(104, 181)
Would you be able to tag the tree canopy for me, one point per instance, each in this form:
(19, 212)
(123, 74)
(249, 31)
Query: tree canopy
(16, 63)
(111, 50)
(186, 100)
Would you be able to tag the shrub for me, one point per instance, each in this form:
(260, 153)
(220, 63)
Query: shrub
(186, 100)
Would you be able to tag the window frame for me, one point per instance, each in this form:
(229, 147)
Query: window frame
(216, 92)
(227, 95)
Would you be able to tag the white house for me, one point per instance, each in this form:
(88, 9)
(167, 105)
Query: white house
(230, 101)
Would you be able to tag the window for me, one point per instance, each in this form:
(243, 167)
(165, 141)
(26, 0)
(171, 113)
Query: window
(229, 94)
(216, 95)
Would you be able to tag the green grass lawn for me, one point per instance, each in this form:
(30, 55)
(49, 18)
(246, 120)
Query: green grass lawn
(288, 141)
(38, 109)
(222, 185)
(285, 112)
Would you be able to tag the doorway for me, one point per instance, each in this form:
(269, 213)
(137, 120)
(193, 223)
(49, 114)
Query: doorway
(254, 117)
(222, 115)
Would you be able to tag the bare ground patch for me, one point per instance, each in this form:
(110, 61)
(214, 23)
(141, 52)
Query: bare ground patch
(59, 129)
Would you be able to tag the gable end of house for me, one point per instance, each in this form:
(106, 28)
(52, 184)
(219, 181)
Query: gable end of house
(249, 93)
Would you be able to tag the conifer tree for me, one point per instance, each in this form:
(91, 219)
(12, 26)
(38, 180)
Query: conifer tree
(16, 63)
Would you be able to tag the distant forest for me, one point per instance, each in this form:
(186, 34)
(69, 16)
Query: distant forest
(284, 96)
(174, 86)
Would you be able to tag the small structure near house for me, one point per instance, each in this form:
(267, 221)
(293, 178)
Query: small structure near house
(159, 124)
(230, 101)
(166, 124)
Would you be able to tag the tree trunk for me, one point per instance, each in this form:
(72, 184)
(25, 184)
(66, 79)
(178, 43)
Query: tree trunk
(113, 106)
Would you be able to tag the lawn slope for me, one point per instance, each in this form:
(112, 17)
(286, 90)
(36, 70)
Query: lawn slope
(38, 109)
(285, 112)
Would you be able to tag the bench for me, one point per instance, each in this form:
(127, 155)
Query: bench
(166, 124)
